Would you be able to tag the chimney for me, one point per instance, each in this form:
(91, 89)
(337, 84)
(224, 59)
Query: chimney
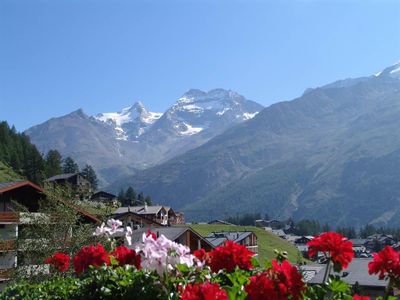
(145, 206)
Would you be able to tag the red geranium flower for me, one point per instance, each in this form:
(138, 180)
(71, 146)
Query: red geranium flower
(201, 254)
(204, 291)
(126, 256)
(357, 297)
(281, 282)
(386, 263)
(338, 247)
(90, 256)
(152, 234)
(229, 256)
(59, 261)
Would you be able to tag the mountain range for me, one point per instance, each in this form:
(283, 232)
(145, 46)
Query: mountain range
(120, 143)
(333, 154)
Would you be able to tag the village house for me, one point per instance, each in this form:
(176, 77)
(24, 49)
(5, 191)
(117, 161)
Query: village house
(182, 235)
(75, 180)
(245, 238)
(377, 242)
(356, 274)
(104, 197)
(29, 195)
(163, 215)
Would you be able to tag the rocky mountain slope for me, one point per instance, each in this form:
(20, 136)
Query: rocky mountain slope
(332, 154)
(119, 143)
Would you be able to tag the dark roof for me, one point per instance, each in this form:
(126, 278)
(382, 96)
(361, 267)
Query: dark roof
(170, 233)
(220, 222)
(143, 217)
(218, 238)
(358, 242)
(11, 185)
(357, 271)
(62, 176)
(141, 209)
(104, 193)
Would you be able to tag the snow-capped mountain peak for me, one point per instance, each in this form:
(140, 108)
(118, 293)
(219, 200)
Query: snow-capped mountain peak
(392, 71)
(130, 122)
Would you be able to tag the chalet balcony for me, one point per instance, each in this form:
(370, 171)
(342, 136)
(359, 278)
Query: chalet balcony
(7, 245)
(6, 274)
(8, 217)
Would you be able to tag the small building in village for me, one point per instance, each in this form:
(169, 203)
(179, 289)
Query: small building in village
(163, 215)
(356, 275)
(245, 238)
(377, 242)
(104, 197)
(75, 180)
(182, 235)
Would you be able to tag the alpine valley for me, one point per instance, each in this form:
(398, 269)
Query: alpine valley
(332, 154)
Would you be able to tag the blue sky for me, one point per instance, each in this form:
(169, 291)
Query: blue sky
(58, 56)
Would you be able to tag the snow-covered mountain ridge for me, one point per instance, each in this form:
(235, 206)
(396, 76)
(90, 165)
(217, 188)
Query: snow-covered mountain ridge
(193, 113)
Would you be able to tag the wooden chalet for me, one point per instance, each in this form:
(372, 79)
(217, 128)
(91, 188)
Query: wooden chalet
(245, 238)
(182, 235)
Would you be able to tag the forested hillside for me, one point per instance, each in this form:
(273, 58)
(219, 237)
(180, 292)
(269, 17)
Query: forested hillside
(17, 152)
(20, 159)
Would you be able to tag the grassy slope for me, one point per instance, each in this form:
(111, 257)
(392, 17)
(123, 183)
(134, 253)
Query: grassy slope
(7, 174)
(267, 241)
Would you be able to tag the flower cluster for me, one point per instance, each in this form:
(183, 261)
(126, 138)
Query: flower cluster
(205, 291)
(228, 256)
(90, 256)
(126, 256)
(340, 250)
(112, 229)
(163, 255)
(280, 282)
(59, 261)
(386, 263)
(358, 297)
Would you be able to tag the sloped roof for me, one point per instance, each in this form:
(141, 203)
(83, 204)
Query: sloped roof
(147, 219)
(11, 185)
(62, 176)
(357, 271)
(218, 238)
(151, 209)
(104, 193)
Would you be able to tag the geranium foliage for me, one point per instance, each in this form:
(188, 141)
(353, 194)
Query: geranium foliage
(159, 268)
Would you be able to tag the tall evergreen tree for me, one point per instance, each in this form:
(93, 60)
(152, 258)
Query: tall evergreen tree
(121, 197)
(91, 176)
(147, 200)
(53, 163)
(70, 166)
(140, 198)
(130, 196)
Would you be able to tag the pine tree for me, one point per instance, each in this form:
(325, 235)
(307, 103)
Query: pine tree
(53, 163)
(70, 166)
(121, 197)
(148, 201)
(140, 198)
(130, 196)
(89, 173)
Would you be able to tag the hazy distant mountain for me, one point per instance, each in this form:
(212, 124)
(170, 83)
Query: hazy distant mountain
(118, 143)
(332, 154)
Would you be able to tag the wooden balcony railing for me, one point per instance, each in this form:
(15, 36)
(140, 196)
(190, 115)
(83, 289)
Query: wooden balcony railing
(7, 245)
(9, 217)
(6, 273)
